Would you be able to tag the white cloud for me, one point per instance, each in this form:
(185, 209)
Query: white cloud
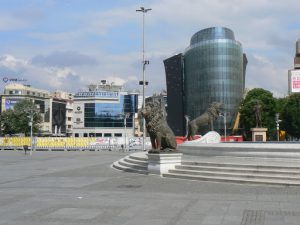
(12, 63)
(267, 30)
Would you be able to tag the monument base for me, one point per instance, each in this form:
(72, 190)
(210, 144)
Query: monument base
(159, 163)
(259, 134)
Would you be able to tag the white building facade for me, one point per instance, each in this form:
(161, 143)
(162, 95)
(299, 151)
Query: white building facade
(104, 110)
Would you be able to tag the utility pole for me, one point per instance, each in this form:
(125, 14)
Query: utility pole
(277, 120)
(126, 116)
(145, 62)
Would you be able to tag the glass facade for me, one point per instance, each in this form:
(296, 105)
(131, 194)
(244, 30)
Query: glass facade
(58, 117)
(174, 80)
(111, 114)
(214, 70)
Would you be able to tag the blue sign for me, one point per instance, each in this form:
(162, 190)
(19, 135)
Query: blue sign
(10, 103)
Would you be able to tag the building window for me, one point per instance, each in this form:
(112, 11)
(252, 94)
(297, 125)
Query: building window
(69, 118)
(107, 135)
(28, 92)
(118, 135)
(98, 134)
(69, 126)
(85, 135)
(110, 114)
(11, 92)
(76, 135)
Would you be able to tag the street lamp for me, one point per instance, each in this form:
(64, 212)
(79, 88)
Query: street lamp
(31, 114)
(277, 120)
(145, 62)
(126, 116)
(224, 117)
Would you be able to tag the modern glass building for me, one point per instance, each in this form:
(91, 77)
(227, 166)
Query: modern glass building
(110, 114)
(174, 80)
(104, 111)
(213, 70)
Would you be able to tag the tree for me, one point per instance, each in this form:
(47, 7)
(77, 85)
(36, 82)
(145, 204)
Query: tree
(290, 115)
(8, 122)
(280, 105)
(268, 111)
(16, 121)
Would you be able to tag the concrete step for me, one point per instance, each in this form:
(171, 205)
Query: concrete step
(135, 161)
(124, 168)
(140, 156)
(233, 169)
(262, 181)
(238, 174)
(266, 165)
(251, 172)
(132, 165)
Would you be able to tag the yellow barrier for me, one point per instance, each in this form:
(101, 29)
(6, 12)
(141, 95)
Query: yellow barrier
(47, 142)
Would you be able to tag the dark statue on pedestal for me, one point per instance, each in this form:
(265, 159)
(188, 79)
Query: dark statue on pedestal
(207, 118)
(258, 110)
(161, 135)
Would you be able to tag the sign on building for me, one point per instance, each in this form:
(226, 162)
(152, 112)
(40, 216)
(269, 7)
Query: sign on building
(295, 81)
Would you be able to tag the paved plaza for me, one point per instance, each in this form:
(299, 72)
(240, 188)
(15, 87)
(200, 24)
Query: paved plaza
(72, 188)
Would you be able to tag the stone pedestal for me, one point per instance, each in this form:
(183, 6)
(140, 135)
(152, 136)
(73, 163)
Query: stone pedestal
(259, 134)
(159, 163)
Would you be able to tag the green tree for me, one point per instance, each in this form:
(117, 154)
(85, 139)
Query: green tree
(16, 121)
(290, 116)
(247, 111)
(8, 122)
(280, 105)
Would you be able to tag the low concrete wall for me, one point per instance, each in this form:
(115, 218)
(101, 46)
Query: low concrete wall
(263, 150)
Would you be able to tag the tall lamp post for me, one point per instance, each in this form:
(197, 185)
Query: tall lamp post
(126, 116)
(145, 62)
(224, 117)
(277, 120)
(31, 114)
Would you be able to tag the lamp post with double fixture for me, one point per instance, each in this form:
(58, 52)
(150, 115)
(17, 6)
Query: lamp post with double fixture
(145, 62)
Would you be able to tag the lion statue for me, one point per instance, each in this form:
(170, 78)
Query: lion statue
(207, 118)
(161, 135)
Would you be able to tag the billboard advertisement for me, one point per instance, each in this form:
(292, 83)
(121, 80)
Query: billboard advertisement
(295, 81)
(10, 103)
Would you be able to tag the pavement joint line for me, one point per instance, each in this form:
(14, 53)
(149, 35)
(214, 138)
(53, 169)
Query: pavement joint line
(128, 195)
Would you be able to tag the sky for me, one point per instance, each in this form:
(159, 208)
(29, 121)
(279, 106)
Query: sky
(68, 44)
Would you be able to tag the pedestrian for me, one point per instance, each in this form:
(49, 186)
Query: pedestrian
(25, 147)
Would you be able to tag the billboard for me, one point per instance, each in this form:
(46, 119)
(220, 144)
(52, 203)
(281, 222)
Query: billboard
(295, 81)
(10, 103)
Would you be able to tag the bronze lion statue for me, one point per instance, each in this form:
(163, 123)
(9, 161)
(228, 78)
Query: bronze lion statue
(161, 135)
(207, 118)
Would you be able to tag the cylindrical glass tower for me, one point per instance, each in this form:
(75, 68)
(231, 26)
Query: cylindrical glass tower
(214, 67)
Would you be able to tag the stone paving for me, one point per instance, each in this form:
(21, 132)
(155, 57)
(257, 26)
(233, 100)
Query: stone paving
(70, 188)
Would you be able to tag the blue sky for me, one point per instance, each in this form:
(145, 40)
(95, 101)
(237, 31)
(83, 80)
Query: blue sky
(68, 44)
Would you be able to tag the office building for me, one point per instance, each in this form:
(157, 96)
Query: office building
(104, 110)
(52, 107)
(15, 92)
(175, 93)
(211, 69)
(62, 113)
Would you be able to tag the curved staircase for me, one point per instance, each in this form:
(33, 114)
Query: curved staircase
(136, 163)
(223, 169)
